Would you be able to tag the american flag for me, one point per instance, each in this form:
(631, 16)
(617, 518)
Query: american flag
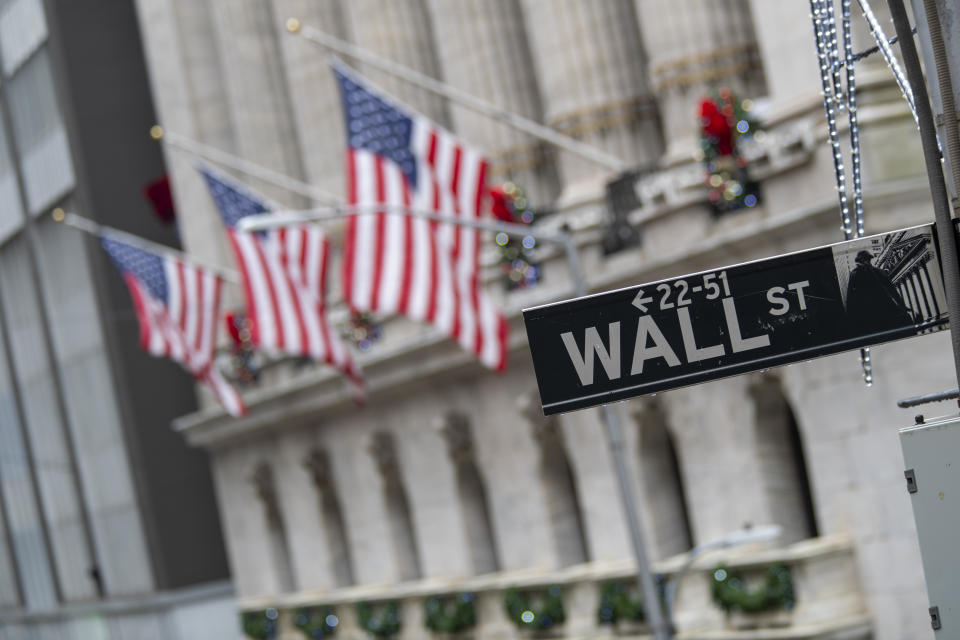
(178, 307)
(395, 263)
(284, 274)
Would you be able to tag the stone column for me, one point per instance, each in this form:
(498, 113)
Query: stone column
(661, 483)
(471, 493)
(400, 521)
(559, 485)
(313, 90)
(484, 51)
(317, 463)
(264, 485)
(693, 47)
(257, 99)
(781, 460)
(592, 72)
(253, 569)
(401, 32)
(785, 38)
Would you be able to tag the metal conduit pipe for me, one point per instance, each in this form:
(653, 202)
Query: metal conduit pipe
(948, 104)
(946, 236)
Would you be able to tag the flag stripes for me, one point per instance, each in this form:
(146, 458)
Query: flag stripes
(178, 308)
(284, 280)
(396, 263)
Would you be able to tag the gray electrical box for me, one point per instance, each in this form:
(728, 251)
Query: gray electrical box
(931, 452)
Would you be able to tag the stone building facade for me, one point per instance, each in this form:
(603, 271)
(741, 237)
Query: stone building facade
(450, 480)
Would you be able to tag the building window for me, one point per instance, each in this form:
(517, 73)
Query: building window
(40, 135)
(22, 31)
(11, 211)
(27, 538)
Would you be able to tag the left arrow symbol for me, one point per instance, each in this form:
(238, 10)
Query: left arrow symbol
(640, 302)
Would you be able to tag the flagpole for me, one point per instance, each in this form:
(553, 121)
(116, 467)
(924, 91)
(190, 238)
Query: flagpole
(242, 165)
(462, 98)
(96, 229)
(286, 217)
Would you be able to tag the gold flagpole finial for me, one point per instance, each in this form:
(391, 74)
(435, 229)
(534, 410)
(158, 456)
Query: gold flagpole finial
(58, 215)
(293, 25)
(156, 132)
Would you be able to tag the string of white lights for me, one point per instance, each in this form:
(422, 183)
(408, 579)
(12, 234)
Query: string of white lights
(828, 56)
(820, 17)
(866, 362)
(833, 51)
(852, 118)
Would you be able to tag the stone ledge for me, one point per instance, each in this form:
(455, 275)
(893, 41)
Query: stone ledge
(324, 390)
(829, 603)
(852, 628)
(124, 605)
(741, 557)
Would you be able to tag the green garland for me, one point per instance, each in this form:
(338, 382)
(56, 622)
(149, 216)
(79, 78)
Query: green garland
(316, 622)
(730, 592)
(260, 625)
(726, 121)
(381, 619)
(522, 612)
(451, 614)
(617, 603)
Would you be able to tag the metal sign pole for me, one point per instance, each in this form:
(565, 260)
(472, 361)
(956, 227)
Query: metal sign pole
(938, 189)
(661, 626)
(662, 629)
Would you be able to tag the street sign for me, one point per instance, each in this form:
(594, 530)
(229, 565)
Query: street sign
(713, 324)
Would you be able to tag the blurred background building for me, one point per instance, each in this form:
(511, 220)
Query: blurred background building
(449, 486)
(108, 524)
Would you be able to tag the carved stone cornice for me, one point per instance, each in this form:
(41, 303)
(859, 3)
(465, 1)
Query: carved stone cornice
(263, 484)
(766, 391)
(648, 408)
(455, 429)
(317, 464)
(546, 429)
(384, 454)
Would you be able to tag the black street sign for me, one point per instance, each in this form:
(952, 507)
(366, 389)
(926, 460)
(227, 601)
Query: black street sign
(682, 331)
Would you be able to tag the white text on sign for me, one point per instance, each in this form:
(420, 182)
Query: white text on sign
(651, 343)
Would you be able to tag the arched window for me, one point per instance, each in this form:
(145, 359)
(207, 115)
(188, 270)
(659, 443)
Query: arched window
(782, 461)
(559, 484)
(471, 493)
(400, 521)
(341, 562)
(662, 482)
(263, 483)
